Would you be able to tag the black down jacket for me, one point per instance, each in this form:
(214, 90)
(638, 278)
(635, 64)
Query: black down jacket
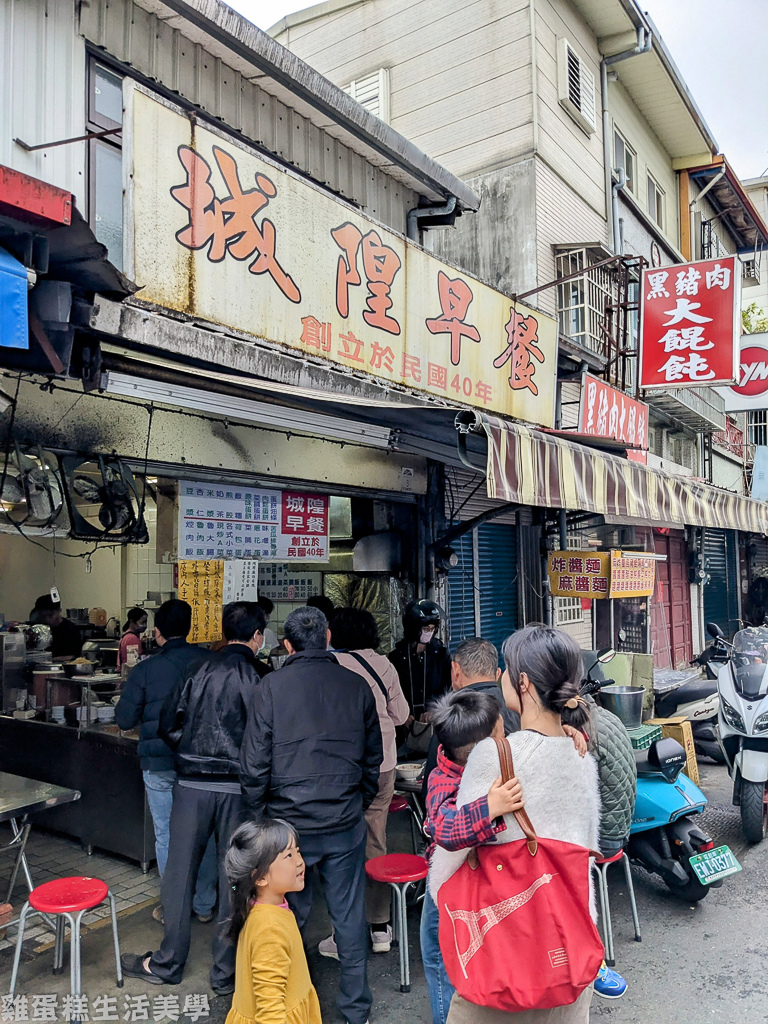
(204, 720)
(611, 747)
(312, 746)
(147, 688)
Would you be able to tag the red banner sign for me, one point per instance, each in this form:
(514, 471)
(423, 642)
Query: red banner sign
(606, 412)
(690, 324)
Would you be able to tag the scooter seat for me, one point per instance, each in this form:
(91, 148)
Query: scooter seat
(699, 689)
(644, 767)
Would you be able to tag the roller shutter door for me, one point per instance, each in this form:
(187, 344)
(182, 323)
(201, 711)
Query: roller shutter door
(721, 593)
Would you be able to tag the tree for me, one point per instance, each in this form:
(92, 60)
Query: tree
(754, 319)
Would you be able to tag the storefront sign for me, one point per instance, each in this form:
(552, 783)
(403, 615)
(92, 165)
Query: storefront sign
(201, 584)
(632, 575)
(281, 583)
(228, 521)
(225, 235)
(751, 392)
(605, 411)
(690, 323)
(579, 573)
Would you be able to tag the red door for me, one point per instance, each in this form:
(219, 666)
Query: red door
(671, 603)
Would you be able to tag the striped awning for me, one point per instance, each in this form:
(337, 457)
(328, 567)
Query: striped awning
(530, 467)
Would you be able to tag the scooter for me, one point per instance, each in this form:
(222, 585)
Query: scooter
(743, 724)
(665, 837)
(699, 702)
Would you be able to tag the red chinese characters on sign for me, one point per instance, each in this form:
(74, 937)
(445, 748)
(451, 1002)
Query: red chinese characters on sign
(455, 298)
(304, 515)
(522, 349)
(606, 412)
(380, 266)
(229, 226)
(690, 324)
(579, 574)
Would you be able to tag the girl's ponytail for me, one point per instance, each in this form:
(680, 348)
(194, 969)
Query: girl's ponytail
(253, 848)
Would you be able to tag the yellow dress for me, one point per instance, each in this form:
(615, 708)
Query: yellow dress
(272, 984)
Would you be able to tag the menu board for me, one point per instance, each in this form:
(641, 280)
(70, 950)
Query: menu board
(201, 584)
(241, 580)
(221, 521)
(281, 583)
(632, 575)
(583, 574)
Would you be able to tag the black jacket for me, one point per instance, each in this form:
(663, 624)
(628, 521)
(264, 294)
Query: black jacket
(204, 719)
(312, 747)
(144, 693)
(511, 724)
(425, 676)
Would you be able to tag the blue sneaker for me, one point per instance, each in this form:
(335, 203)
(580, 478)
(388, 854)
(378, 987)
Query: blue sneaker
(609, 983)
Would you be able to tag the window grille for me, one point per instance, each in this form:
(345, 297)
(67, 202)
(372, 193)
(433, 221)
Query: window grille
(582, 301)
(568, 609)
(757, 427)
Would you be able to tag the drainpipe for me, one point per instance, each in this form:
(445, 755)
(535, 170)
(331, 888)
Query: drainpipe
(697, 199)
(644, 43)
(422, 213)
(618, 182)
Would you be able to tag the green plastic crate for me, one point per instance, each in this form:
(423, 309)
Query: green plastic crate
(643, 737)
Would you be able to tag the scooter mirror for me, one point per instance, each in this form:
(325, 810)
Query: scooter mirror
(714, 630)
(607, 654)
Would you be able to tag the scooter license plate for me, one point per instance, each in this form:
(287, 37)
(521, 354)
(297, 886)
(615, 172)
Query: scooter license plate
(712, 865)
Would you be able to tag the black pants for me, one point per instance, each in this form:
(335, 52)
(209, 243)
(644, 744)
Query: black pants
(340, 860)
(196, 814)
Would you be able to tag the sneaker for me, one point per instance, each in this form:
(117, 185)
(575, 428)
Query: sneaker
(328, 948)
(381, 940)
(157, 914)
(609, 983)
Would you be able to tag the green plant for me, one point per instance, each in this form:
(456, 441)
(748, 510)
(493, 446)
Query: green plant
(754, 320)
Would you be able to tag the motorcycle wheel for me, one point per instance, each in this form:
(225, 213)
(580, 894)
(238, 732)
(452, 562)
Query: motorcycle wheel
(754, 810)
(691, 892)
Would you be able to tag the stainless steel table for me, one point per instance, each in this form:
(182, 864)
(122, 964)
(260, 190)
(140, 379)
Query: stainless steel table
(20, 798)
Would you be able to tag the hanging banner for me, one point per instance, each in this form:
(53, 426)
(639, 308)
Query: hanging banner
(690, 324)
(604, 411)
(751, 392)
(579, 573)
(201, 585)
(232, 521)
(632, 575)
(222, 234)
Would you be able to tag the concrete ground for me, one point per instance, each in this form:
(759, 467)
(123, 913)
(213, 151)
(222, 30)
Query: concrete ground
(696, 963)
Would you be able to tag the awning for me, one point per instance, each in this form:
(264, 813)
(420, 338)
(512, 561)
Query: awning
(529, 467)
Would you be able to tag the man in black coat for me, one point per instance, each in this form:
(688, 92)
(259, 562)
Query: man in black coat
(141, 699)
(311, 755)
(204, 721)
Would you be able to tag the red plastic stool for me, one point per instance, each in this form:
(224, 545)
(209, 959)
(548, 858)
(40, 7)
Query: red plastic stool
(399, 803)
(601, 866)
(399, 870)
(68, 899)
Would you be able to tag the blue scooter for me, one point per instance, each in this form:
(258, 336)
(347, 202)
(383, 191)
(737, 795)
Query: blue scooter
(664, 833)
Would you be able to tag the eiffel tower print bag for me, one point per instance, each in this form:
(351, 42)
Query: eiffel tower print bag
(515, 928)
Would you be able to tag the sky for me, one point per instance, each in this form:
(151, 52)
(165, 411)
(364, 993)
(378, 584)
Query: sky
(719, 46)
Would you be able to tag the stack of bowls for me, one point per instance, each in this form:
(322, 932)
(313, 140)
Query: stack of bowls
(57, 712)
(105, 713)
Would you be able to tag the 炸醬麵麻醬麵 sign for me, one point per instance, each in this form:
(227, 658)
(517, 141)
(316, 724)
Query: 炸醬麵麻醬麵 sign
(224, 235)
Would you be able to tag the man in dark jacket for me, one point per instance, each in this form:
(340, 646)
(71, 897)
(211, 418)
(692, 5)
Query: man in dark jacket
(311, 755)
(141, 700)
(204, 721)
(421, 658)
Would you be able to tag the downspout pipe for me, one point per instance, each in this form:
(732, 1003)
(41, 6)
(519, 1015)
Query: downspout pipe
(697, 199)
(419, 214)
(644, 43)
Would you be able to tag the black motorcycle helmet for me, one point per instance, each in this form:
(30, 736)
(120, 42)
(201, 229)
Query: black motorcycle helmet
(419, 614)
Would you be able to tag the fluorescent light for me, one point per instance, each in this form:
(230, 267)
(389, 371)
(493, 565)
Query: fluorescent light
(293, 420)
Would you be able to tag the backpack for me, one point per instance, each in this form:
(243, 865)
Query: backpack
(516, 931)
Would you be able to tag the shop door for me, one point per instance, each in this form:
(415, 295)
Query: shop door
(671, 603)
(721, 592)
(482, 589)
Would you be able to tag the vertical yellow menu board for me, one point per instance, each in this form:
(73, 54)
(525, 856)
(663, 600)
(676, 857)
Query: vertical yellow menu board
(201, 584)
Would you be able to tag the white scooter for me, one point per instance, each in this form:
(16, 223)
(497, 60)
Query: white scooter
(743, 723)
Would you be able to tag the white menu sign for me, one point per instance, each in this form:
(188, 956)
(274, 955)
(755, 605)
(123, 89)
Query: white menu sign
(241, 580)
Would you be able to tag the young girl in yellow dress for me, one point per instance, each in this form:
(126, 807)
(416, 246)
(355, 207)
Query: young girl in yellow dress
(272, 984)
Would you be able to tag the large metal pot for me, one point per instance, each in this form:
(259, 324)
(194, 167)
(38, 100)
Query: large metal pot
(626, 702)
(79, 668)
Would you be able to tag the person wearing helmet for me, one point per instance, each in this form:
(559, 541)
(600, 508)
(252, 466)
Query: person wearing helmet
(421, 658)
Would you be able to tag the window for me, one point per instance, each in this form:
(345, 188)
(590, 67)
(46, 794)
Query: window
(655, 202)
(568, 609)
(372, 93)
(625, 158)
(757, 427)
(105, 159)
(581, 302)
(576, 87)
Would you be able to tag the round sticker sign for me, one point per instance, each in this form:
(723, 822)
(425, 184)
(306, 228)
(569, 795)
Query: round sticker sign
(754, 371)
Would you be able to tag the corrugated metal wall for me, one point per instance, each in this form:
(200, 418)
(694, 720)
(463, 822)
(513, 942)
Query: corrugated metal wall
(142, 40)
(42, 91)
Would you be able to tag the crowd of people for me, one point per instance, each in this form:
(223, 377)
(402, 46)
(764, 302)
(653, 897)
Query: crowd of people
(254, 775)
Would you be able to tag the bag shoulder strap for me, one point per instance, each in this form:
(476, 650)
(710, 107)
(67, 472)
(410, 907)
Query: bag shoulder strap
(507, 773)
(371, 672)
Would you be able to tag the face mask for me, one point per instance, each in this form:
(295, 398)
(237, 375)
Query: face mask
(426, 636)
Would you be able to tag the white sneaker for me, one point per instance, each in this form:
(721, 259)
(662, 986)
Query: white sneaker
(328, 948)
(382, 940)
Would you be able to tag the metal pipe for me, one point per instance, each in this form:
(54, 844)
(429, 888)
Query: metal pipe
(413, 228)
(697, 199)
(618, 182)
(563, 528)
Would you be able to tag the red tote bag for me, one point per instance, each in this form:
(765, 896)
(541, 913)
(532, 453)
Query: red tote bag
(515, 928)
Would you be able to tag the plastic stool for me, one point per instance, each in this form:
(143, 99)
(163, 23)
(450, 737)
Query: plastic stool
(67, 899)
(399, 803)
(399, 870)
(601, 867)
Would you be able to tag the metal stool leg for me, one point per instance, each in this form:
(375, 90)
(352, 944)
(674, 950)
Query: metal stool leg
(116, 940)
(58, 949)
(74, 955)
(405, 985)
(606, 910)
(632, 901)
(19, 939)
(402, 935)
